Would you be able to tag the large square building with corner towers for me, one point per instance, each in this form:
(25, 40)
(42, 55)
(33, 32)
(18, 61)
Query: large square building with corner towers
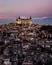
(24, 20)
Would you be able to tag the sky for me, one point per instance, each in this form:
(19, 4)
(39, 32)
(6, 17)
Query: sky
(39, 10)
(35, 8)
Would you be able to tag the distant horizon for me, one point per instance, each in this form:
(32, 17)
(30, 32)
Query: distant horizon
(40, 20)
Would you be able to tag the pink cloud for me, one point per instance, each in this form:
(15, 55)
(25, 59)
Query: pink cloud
(5, 17)
(38, 18)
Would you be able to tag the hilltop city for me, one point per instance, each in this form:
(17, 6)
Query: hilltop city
(25, 43)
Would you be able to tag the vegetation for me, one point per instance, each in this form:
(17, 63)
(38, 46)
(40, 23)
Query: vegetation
(47, 28)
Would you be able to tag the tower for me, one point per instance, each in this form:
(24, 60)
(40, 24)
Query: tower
(30, 17)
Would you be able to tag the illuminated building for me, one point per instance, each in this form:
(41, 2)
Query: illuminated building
(24, 21)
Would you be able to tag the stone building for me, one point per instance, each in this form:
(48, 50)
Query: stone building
(24, 21)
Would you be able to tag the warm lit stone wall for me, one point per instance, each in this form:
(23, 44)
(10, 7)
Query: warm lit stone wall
(24, 21)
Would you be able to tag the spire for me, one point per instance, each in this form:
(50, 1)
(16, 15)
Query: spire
(30, 17)
(19, 17)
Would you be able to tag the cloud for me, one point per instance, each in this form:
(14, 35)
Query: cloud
(5, 17)
(38, 18)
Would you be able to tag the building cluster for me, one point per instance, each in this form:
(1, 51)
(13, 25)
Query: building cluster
(25, 45)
